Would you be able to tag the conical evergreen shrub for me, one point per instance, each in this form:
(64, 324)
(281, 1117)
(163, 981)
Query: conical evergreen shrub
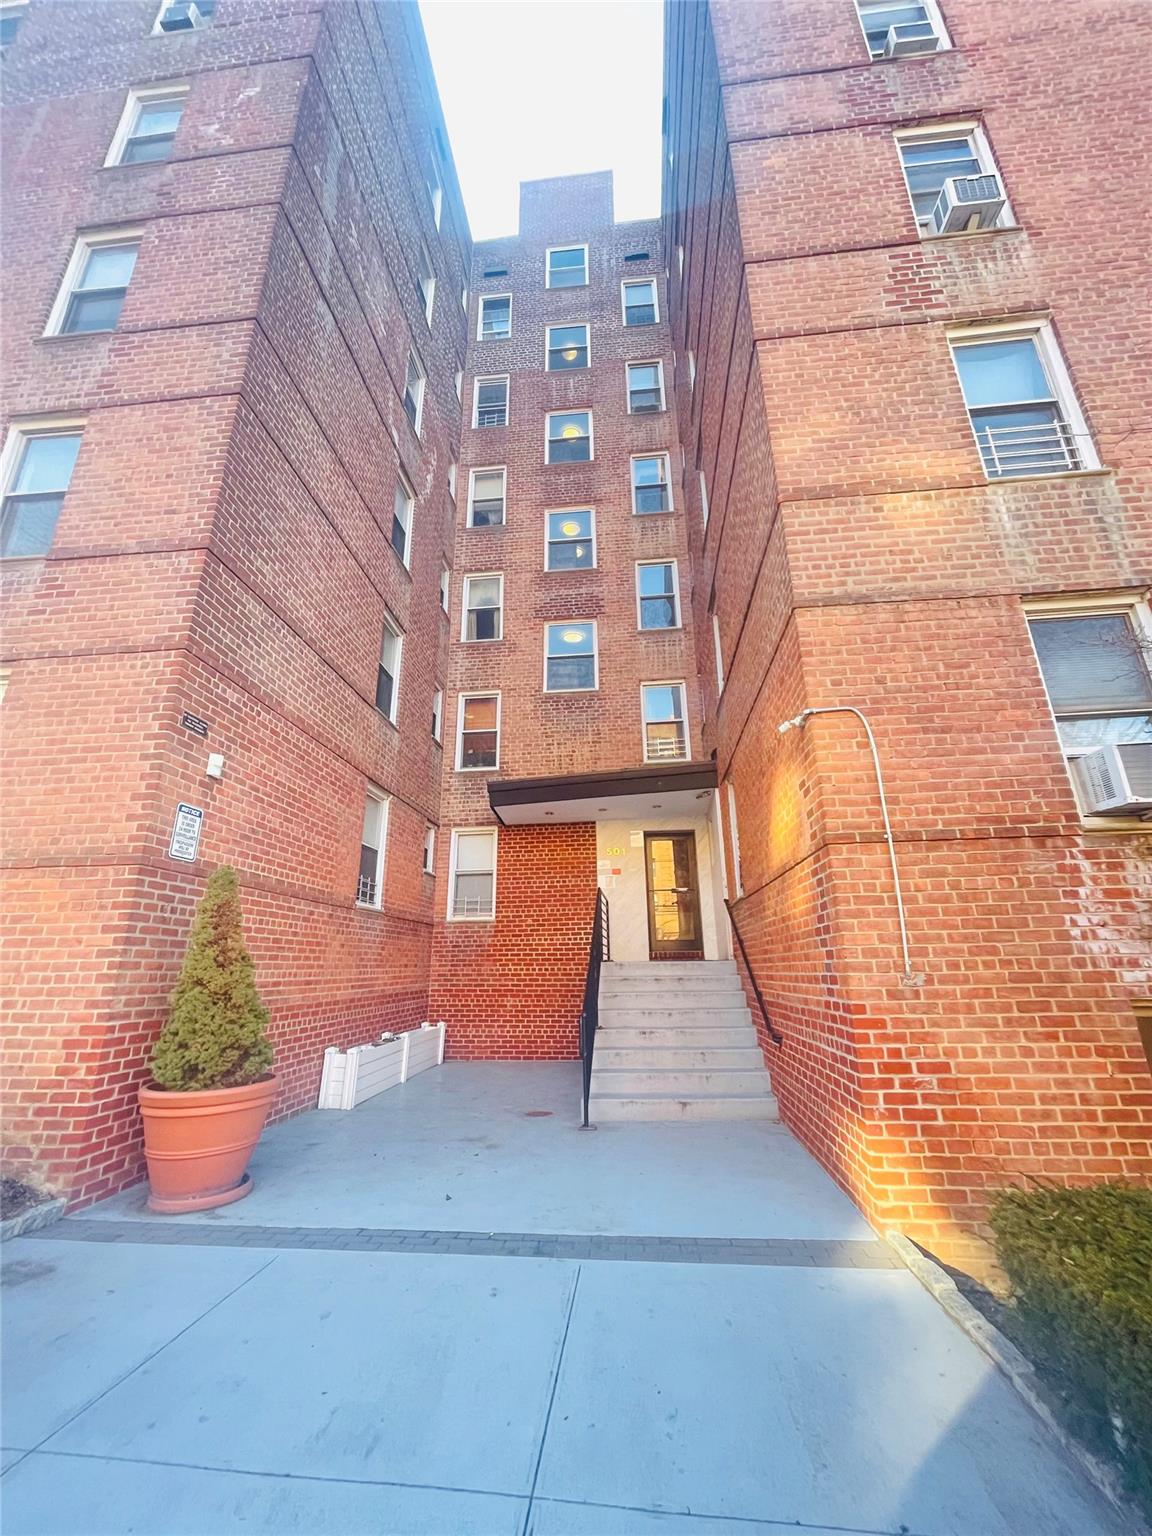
(215, 1036)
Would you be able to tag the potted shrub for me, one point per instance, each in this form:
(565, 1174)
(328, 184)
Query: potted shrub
(212, 1084)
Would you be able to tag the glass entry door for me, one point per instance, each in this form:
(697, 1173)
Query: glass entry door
(673, 897)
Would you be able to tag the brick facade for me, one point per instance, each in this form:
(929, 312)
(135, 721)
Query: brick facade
(860, 556)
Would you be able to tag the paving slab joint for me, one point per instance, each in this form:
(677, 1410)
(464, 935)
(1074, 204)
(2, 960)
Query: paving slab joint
(1018, 1369)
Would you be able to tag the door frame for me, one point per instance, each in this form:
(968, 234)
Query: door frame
(693, 954)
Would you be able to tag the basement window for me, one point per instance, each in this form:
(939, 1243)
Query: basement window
(414, 383)
(370, 882)
(566, 266)
(570, 657)
(651, 490)
(657, 594)
(640, 303)
(95, 283)
(665, 728)
(184, 16)
(571, 540)
(472, 875)
(495, 317)
(645, 388)
(486, 498)
(37, 466)
(147, 126)
(490, 401)
(569, 439)
(388, 670)
(565, 346)
(402, 505)
(483, 608)
(478, 732)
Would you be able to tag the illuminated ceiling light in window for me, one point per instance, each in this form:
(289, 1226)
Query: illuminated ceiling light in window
(570, 528)
(572, 636)
(570, 431)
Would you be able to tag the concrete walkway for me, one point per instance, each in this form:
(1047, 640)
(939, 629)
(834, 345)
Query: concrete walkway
(306, 1370)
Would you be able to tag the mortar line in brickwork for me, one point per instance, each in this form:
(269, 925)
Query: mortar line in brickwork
(1036, 311)
(867, 65)
(177, 325)
(943, 488)
(926, 248)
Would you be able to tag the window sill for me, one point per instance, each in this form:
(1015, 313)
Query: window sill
(572, 570)
(972, 234)
(23, 559)
(1099, 473)
(564, 693)
(490, 918)
(495, 768)
(368, 906)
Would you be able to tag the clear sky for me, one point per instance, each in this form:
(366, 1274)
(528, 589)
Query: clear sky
(537, 88)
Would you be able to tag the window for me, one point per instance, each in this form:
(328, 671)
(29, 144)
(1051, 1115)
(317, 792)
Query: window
(184, 15)
(657, 594)
(464, 298)
(703, 498)
(370, 884)
(931, 160)
(645, 387)
(571, 540)
(495, 317)
(11, 20)
(453, 472)
(1097, 668)
(414, 392)
(478, 731)
(734, 834)
(567, 266)
(472, 876)
(438, 715)
(895, 29)
(650, 489)
(665, 729)
(458, 383)
(640, 307)
(718, 652)
(402, 506)
(1020, 402)
(565, 346)
(425, 282)
(569, 437)
(37, 469)
(570, 660)
(490, 402)
(435, 192)
(483, 608)
(429, 850)
(388, 672)
(445, 580)
(147, 125)
(95, 283)
(691, 370)
(486, 498)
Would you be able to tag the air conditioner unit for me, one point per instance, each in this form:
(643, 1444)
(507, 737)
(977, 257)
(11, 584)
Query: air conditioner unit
(910, 37)
(182, 16)
(968, 202)
(1117, 781)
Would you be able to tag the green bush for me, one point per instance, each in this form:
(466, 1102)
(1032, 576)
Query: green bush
(1080, 1264)
(215, 1034)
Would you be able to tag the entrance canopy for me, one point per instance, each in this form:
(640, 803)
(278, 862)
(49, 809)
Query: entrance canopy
(665, 789)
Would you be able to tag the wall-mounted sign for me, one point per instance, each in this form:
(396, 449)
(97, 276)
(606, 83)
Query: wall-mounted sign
(194, 724)
(614, 853)
(185, 841)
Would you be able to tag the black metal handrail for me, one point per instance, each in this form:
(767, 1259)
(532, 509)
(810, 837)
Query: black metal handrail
(773, 1033)
(599, 950)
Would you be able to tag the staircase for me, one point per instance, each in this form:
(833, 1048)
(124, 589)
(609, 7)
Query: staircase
(676, 1042)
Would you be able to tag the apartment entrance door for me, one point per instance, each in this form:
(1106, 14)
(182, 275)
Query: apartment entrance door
(674, 931)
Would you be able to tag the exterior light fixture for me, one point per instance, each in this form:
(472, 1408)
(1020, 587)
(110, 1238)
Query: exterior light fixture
(909, 978)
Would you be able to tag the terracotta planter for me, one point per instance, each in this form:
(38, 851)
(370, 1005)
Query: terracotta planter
(198, 1144)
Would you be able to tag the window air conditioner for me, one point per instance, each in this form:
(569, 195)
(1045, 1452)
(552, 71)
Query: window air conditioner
(182, 16)
(910, 37)
(966, 203)
(1116, 781)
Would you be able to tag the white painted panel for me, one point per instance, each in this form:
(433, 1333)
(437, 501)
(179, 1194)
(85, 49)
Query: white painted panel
(350, 1077)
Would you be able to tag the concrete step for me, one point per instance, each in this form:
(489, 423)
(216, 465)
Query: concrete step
(648, 1054)
(613, 1016)
(628, 1036)
(659, 980)
(687, 1000)
(644, 1082)
(677, 968)
(717, 1106)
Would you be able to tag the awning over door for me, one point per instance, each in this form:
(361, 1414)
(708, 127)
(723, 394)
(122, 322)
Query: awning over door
(664, 789)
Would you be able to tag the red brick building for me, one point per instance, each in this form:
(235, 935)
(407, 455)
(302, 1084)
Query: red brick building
(491, 572)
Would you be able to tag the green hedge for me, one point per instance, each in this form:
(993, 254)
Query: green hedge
(1080, 1264)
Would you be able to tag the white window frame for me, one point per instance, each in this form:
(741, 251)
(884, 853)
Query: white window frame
(445, 586)
(487, 469)
(644, 362)
(478, 693)
(578, 410)
(422, 379)
(496, 576)
(429, 849)
(426, 283)
(1063, 393)
(13, 8)
(565, 624)
(383, 800)
(943, 41)
(457, 834)
(973, 130)
(1135, 606)
(438, 716)
(691, 370)
(661, 453)
(718, 653)
(576, 246)
(636, 282)
(491, 378)
(458, 384)
(166, 6)
(435, 191)
(91, 239)
(669, 682)
(662, 629)
(484, 299)
(704, 510)
(406, 521)
(464, 298)
(567, 325)
(453, 472)
(20, 432)
(140, 96)
(569, 570)
(391, 626)
(734, 840)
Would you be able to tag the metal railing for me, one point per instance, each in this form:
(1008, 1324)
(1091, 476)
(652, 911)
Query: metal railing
(599, 950)
(1036, 449)
(773, 1033)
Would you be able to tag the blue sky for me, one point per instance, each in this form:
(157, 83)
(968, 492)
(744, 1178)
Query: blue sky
(548, 88)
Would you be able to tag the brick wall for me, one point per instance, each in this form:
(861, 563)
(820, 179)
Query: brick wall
(859, 556)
